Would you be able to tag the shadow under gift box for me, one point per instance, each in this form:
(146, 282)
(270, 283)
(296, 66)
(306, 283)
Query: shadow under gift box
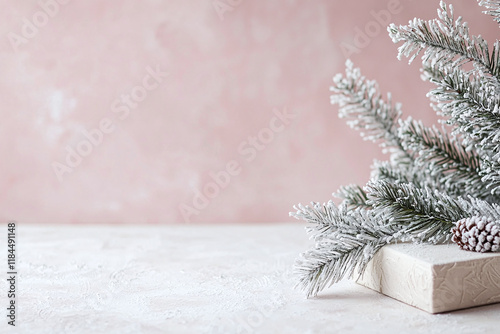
(434, 278)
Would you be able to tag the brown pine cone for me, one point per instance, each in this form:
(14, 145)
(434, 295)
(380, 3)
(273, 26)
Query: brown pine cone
(477, 234)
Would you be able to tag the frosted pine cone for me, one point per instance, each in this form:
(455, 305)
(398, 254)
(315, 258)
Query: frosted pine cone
(477, 234)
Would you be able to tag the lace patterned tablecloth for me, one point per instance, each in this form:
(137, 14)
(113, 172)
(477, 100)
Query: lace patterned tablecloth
(196, 279)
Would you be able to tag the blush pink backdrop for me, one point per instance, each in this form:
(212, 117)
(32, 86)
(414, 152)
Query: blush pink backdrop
(231, 66)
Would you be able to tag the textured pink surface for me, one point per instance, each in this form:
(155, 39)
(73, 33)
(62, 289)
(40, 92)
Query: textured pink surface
(231, 69)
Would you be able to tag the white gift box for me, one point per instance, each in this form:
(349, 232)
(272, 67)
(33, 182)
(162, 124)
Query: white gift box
(434, 278)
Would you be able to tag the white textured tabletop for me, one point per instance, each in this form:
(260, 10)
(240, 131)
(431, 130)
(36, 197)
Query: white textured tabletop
(196, 279)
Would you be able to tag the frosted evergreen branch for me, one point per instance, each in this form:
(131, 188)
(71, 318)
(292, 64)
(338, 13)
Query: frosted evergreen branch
(321, 218)
(454, 169)
(471, 104)
(446, 41)
(344, 251)
(478, 207)
(491, 176)
(330, 262)
(479, 92)
(362, 104)
(354, 196)
(433, 179)
(416, 175)
(384, 170)
(493, 8)
(434, 144)
(421, 213)
(401, 213)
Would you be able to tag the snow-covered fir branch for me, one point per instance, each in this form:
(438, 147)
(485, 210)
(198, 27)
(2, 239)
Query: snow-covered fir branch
(478, 207)
(469, 99)
(362, 105)
(493, 8)
(347, 239)
(424, 214)
(436, 145)
(446, 42)
(434, 181)
(471, 105)
(346, 249)
(386, 171)
(454, 169)
(321, 218)
(353, 196)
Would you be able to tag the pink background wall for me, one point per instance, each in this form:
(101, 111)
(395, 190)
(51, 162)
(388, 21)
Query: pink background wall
(87, 67)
